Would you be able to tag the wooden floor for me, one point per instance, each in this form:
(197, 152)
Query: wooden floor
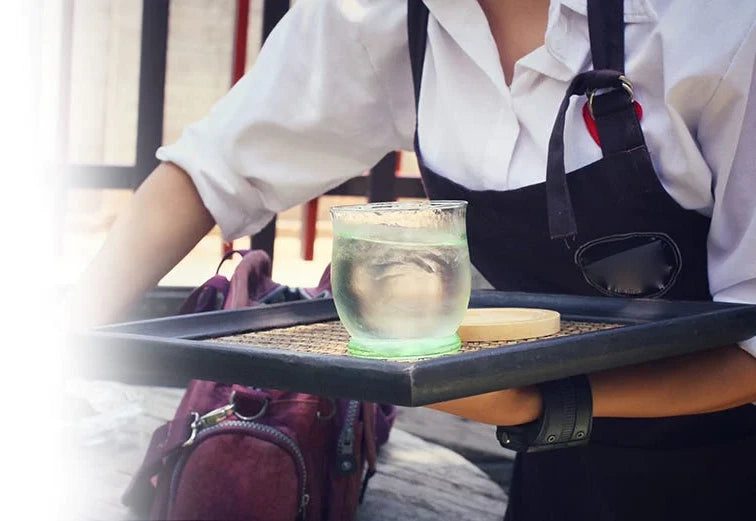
(417, 479)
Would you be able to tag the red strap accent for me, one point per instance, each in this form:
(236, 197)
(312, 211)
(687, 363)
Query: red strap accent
(590, 123)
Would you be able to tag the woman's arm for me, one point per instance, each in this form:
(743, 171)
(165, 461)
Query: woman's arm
(163, 223)
(701, 382)
(696, 383)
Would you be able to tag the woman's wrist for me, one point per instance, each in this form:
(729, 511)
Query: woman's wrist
(507, 407)
(519, 406)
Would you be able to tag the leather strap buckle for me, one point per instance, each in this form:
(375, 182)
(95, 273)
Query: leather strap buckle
(566, 420)
(624, 83)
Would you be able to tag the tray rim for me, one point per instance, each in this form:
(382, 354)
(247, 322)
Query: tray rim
(180, 343)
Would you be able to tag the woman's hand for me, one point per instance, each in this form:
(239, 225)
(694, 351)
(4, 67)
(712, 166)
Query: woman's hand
(507, 407)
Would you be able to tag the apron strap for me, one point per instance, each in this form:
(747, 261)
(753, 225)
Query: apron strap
(561, 215)
(616, 121)
(617, 124)
(417, 33)
(606, 27)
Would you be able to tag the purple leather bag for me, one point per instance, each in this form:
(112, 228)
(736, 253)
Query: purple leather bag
(239, 453)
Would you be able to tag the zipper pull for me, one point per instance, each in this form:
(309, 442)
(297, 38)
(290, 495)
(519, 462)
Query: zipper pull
(209, 419)
(216, 416)
(346, 461)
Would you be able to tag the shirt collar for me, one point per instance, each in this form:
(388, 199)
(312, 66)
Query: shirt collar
(568, 49)
(467, 25)
(568, 43)
(636, 11)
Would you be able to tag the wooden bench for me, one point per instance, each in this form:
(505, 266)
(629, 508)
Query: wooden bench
(416, 481)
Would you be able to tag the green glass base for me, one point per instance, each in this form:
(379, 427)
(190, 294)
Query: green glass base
(404, 349)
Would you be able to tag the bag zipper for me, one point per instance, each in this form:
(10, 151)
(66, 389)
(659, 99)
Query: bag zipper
(346, 461)
(281, 439)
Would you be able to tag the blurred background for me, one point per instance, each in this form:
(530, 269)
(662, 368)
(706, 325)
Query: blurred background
(131, 75)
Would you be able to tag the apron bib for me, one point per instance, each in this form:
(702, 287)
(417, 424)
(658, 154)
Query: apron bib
(609, 228)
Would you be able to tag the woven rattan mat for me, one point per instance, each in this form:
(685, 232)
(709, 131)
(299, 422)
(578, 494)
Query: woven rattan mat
(330, 338)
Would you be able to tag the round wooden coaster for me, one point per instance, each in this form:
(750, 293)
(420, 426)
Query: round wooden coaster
(491, 324)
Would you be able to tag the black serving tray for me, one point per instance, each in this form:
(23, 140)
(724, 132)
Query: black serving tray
(171, 351)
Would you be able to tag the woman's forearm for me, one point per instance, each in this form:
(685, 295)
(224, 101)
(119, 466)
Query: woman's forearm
(164, 221)
(701, 382)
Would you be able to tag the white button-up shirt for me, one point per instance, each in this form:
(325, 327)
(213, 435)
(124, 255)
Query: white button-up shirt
(331, 93)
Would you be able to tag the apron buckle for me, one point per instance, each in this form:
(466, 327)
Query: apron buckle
(626, 84)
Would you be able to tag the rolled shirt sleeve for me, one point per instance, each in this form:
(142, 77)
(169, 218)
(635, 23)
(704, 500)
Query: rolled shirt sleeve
(727, 134)
(316, 109)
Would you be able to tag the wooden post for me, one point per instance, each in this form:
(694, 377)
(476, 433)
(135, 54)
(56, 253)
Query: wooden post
(309, 229)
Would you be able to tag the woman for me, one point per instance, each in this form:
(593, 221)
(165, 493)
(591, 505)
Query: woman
(661, 187)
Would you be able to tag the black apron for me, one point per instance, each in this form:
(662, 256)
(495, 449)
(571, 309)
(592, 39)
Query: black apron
(608, 228)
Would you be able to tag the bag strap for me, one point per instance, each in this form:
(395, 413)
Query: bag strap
(251, 279)
(213, 294)
(369, 444)
(384, 421)
(323, 289)
(227, 256)
(164, 444)
(206, 296)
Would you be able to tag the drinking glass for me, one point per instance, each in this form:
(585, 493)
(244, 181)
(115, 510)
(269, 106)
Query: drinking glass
(400, 274)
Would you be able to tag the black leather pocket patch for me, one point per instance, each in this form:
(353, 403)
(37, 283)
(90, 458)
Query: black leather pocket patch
(630, 265)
